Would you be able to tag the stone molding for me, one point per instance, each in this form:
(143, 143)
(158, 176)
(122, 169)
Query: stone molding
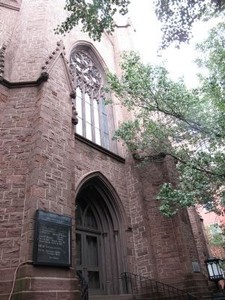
(9, 6)
(2, 61)
(45, 70)
(21, 84)
(53, 58)
(99, 148)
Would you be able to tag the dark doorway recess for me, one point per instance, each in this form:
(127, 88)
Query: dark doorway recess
(99, 238)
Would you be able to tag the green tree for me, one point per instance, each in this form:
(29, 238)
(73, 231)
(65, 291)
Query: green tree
(96, 16)
(186, 124)
(216, 235)
(177, 16)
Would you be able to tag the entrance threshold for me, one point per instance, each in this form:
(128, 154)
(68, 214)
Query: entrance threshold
(111, 297)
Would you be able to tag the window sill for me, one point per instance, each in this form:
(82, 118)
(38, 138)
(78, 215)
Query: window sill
(99, 148)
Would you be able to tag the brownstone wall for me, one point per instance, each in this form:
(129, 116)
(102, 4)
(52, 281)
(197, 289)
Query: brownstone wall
(199, 236)
(32, 40)
(16, 116)
(170, 239)
(37, 147)
(8, 20)
(42, 166)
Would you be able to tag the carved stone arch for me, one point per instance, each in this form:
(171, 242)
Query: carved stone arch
(91, 49)
(96, 65)
(101, 180)
(107, 242)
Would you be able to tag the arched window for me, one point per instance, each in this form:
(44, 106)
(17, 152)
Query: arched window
(89, 102)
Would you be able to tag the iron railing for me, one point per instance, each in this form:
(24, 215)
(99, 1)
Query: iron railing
(83, 287)
(145, 288)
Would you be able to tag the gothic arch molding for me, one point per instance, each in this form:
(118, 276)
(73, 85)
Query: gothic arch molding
(97, 198)
(109, 190)
(91, 49)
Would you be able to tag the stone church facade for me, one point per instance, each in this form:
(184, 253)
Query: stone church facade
(51, 163)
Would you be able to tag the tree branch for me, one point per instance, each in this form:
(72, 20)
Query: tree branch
(194, 125)
(202, 170)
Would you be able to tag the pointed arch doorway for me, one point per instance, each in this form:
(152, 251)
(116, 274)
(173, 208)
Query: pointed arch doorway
(99, 238)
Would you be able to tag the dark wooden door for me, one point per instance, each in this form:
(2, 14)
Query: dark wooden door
(88, 259)
(99, 252)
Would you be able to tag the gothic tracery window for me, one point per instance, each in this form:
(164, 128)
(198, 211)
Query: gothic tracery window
(89, 102)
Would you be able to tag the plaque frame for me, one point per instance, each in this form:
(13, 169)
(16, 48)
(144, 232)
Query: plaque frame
(52, 244)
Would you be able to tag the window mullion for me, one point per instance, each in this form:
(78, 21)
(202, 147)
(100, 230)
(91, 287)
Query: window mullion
(83, 110)
(101, 121)
(103, 125)
(92, 116)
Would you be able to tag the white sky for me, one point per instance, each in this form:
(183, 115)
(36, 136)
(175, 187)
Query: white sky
(148, 35)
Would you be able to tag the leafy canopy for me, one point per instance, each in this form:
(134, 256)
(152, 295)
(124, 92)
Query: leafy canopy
(216, 235)
(186, 124)
(96, 16)
(177, 16)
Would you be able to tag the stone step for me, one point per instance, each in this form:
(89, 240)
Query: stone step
(215, 296)
(111, 297)
(162, 298)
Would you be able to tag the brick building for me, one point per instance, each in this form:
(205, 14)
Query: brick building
(214, 225)
(46, 166)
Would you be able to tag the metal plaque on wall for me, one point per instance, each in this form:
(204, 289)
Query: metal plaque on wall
(52, 239)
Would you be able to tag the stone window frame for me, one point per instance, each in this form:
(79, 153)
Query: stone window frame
(94, 89)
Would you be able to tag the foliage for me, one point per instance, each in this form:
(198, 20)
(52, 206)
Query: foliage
(96, 16)
(188, 125)
(178, 17)
(216, 240)
(216, 235)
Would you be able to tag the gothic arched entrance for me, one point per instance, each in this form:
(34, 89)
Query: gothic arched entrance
(99, 246)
